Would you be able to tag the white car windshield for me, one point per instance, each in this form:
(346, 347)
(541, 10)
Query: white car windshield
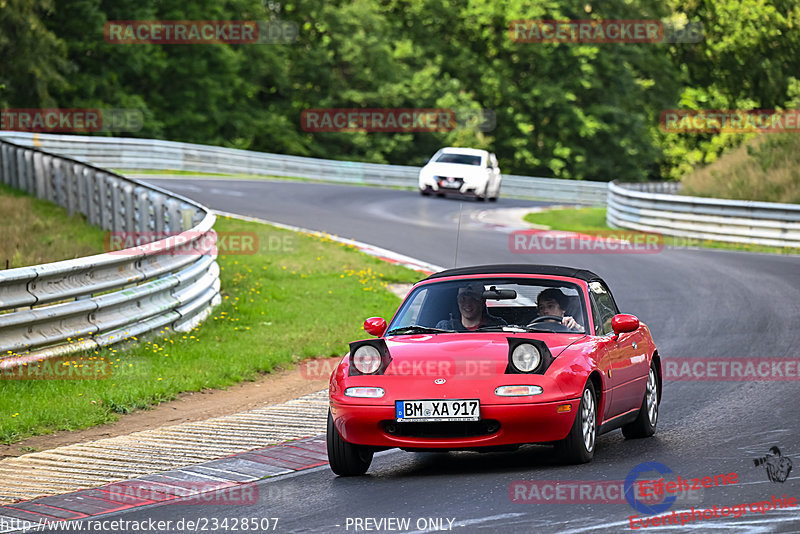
(461, 159)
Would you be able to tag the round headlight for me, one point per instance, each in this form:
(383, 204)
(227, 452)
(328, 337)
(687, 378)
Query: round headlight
(367, 359)
(526, 357)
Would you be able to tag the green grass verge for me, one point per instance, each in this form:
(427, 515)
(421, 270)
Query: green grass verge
(593, 221)
(307, 297)
(36, 231)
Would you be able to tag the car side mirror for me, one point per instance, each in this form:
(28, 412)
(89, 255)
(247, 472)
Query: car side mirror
(376, 326)
(622, 322)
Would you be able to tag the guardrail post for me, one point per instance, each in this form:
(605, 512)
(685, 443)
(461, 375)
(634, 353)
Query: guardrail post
(173, 216)
(71, 187)
(143, 215)
(39, 178)
(4, 177)
(92, 197)
(116, 209)
(187, 218)
(128, 208)
(157, 202)
(106, 207)
(51, 178)
(22, 171)
(84, 189)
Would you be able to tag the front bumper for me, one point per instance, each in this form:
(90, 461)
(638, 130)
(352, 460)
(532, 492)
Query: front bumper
(518, 423)
(460, 186)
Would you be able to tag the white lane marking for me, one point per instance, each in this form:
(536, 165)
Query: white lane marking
(764, 481)
(227, 192)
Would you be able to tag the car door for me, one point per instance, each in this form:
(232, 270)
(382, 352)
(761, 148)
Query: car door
(604, 356)
(627, 375)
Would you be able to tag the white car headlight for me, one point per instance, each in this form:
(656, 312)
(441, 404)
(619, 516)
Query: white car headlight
(526, 357)
(367, 359)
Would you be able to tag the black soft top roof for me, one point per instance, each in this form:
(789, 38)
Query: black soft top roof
(519, 268)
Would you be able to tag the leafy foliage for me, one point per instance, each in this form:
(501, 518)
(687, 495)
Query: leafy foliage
(581, 111)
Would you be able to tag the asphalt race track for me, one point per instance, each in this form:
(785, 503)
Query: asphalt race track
(697, 303)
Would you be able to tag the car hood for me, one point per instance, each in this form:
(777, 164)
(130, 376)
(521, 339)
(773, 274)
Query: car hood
(455, 170)
(462, 353)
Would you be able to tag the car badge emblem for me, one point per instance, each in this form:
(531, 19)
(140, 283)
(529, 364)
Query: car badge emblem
(439, 381)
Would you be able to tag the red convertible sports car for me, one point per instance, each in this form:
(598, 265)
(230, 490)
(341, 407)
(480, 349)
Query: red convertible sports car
(492, 357)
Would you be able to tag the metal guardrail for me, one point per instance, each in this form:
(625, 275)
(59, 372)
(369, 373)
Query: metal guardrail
(67, 306)
(636, 207)
(129, 153)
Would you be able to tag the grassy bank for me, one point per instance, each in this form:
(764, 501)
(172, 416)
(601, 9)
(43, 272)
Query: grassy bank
(35, 231)
(765, 168)
(593, 221)
(298, 296)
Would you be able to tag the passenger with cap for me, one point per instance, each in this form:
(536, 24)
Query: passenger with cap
(473, 311)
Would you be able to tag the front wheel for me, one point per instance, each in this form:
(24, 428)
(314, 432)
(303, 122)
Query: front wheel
(578, 446)
(645, 424)
(346, 459)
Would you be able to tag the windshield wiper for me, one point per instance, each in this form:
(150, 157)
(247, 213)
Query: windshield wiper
(537, 328)
(499, 328)
(417, 329)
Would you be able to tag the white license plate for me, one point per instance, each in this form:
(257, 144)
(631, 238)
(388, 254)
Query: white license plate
(450, 185)
(438, 410)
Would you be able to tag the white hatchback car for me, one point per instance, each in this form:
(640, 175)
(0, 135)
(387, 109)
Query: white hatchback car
(466, 171)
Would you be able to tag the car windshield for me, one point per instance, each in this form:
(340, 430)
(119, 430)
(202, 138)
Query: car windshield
(461, 159)
(491, 304)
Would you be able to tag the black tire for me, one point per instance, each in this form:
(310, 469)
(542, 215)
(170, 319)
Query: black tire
(346, 459)
(425, 192)
(496, 195)
(578, 447)
(645, 424)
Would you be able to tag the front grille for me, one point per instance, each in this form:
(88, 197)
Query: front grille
(454, 183)
(443, 429)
